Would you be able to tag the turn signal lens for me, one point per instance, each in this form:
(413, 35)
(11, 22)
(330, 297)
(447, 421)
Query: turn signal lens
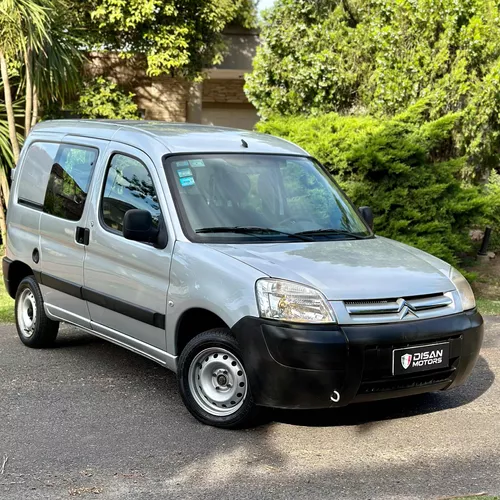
(463, 289)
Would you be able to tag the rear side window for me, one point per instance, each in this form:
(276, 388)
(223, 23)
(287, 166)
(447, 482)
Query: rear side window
(69, 181)
(35, 173)
(128, 185)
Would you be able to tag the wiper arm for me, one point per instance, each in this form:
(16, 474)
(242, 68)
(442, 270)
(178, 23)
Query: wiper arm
(251, 230)
(341, 232)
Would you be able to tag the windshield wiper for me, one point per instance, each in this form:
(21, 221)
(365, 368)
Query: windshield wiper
(326, 231)
(251, 230)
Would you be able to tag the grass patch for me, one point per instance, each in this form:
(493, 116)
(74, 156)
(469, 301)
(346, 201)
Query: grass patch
(488, 307)
(486, 285)
(6, 304)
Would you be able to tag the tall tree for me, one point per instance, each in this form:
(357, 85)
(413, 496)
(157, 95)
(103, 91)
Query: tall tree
(33, 36)
(381, 56)
(23, 29)
(6, 155)
(176, 36)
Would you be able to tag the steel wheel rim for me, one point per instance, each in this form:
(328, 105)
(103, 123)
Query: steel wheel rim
(217, 381)
(26, 313)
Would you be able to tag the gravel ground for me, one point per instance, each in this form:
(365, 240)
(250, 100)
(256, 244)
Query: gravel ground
(87, 419)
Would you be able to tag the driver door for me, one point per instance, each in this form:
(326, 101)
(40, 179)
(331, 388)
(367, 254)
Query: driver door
(126, 281)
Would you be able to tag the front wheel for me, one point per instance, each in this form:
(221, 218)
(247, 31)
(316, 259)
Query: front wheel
(213, 383)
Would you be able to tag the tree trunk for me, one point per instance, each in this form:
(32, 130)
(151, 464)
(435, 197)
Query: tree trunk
(29, 93)
(9, 108)
(34, 118)
(4, 186)
(3, 224)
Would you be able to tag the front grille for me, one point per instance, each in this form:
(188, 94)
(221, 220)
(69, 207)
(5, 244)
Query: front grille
(400, 309)
(378, 359)
(397, 383)
(377, 373)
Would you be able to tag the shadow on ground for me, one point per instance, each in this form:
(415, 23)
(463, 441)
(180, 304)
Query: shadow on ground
(361, 414)
(91, 414)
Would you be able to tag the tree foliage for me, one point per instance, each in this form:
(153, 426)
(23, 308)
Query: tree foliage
(177, 36)
(381, 56)
(406, 168)
(101, 98)
(6, 156)
(39, 63)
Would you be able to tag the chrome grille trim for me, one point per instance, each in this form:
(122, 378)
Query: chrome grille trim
(396, 305)
(394, 310)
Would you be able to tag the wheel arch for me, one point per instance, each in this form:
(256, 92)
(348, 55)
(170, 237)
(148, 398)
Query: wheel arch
(16, 271)
(192, 322)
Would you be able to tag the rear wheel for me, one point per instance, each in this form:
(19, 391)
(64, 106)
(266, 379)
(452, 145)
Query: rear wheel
(34, 328)
(213, 383)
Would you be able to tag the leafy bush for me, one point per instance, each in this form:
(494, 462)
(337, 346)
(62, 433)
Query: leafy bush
(405, 168)
(381, 56)
(101, 98)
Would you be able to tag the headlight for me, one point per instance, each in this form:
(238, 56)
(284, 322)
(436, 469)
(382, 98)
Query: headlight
(288, 301)
(463, 289)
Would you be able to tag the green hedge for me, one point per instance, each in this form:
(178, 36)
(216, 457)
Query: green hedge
(406, 169)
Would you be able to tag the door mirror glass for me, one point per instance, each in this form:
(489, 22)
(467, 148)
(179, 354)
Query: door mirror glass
(367, 214)
(138, 226)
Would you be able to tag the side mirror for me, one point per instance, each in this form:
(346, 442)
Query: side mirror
(138, 226)
(367, 214)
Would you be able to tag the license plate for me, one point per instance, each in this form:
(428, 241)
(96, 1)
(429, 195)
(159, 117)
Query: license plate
(420, 358)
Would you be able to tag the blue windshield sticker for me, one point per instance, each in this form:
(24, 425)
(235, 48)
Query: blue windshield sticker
(186, 181)
(196, 163)
(183, 163)
(184, 172)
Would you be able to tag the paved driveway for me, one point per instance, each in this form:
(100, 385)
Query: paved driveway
(90, 420)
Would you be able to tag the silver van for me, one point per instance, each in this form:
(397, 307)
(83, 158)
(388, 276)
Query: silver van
(233, 259)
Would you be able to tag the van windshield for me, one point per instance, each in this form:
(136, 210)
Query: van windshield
(245, 197)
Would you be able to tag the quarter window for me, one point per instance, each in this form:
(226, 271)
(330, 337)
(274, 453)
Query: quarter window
(69, 181)
(35, 172)
(128, 186)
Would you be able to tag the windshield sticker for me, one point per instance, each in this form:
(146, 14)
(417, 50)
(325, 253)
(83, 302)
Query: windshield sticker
(184, 172)
(196, 163)
(187, 181)
(183, 163)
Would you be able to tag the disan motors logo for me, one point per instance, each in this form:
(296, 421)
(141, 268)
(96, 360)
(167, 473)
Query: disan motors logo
(406, 360)
(434, 357)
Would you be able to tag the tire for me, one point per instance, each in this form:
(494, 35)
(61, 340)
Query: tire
(34, 328)
(209, 361)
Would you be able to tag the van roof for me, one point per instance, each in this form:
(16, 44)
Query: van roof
(175, 137)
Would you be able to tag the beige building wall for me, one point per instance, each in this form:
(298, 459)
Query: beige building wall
(219, 100)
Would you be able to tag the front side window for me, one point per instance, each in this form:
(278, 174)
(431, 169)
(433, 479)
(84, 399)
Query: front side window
(241, 197)
(128, 185)
(69, 181)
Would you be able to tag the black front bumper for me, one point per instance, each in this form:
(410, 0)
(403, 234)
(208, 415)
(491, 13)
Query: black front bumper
(301, 366)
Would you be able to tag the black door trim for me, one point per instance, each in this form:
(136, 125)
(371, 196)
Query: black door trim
(134, 311)
(31, 204)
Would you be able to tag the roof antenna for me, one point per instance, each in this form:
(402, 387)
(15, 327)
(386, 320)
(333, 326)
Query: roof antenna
(244, 143)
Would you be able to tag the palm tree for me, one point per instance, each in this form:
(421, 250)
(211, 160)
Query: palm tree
(6, 157)
(33, 32)
(23, 30)
(59, 68)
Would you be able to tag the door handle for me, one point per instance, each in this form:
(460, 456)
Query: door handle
(82, 235)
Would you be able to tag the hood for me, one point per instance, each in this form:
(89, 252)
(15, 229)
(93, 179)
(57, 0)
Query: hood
(376, 268)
